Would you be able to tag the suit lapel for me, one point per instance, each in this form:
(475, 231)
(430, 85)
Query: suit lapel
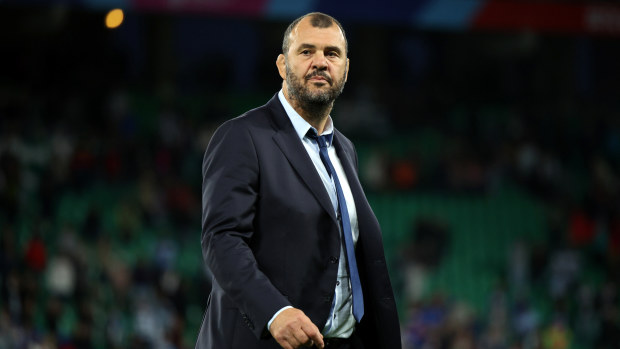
(288, 141)
(346, 155)
(346, 159)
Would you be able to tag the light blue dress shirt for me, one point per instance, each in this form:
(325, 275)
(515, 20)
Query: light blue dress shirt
(341, 322)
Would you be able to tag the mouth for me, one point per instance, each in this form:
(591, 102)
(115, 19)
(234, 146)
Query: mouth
(318, 81)
(318, 78)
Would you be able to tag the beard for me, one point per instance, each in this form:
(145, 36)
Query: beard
(314, 102)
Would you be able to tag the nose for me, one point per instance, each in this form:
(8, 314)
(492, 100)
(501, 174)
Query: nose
(320, 61)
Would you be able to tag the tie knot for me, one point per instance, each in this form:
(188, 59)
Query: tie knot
(323, 140)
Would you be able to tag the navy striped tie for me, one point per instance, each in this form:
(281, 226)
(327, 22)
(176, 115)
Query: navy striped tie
(356, 286)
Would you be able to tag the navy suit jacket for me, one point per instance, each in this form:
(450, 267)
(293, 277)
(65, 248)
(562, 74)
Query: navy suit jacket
(270, 235)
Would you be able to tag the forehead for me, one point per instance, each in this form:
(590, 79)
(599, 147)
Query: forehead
(305, 33)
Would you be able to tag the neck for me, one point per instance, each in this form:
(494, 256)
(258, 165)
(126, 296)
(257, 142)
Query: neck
(314, 113)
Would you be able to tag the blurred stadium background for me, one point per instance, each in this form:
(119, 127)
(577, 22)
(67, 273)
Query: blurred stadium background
(489, 141)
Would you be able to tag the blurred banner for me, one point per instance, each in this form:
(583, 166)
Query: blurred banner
(551, 17)
(598, 18)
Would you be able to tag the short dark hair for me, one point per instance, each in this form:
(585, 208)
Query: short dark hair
(317, 20)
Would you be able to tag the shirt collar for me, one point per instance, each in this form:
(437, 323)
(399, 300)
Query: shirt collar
(300, 124)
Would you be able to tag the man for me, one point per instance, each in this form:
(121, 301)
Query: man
(293, 245)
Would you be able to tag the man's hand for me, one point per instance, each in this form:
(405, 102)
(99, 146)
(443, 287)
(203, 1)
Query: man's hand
(293, 329)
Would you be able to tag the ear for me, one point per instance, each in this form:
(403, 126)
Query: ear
(281, 64)
(346, 71)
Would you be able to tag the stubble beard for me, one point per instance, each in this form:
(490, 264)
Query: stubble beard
(316, 104)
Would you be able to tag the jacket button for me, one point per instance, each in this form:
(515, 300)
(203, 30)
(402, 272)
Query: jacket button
(333, 260)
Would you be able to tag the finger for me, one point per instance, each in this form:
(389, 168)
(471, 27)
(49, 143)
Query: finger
(301, 337)
(287, 341)
(293, 341)
(313, 332)
(287, 344)
(318, 342)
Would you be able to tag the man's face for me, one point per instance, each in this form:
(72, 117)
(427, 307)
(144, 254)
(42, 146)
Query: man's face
(315, 66)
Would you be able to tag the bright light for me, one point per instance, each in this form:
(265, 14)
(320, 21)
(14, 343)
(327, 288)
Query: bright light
(114, 18)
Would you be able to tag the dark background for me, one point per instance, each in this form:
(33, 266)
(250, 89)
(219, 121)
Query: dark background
(491, 156)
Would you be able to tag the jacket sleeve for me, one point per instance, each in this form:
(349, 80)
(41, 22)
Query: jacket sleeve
(229, 195)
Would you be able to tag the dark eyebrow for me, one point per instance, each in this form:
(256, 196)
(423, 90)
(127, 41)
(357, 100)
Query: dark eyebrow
(305, 46)
(328, 48)
(334, 48)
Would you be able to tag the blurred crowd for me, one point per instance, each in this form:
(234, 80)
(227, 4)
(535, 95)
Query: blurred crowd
(94, 218)
(100, 183)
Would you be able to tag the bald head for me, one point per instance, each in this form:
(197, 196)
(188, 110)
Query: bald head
(317, 20)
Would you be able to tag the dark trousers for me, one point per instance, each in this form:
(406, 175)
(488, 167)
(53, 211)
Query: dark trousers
(353, 342)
